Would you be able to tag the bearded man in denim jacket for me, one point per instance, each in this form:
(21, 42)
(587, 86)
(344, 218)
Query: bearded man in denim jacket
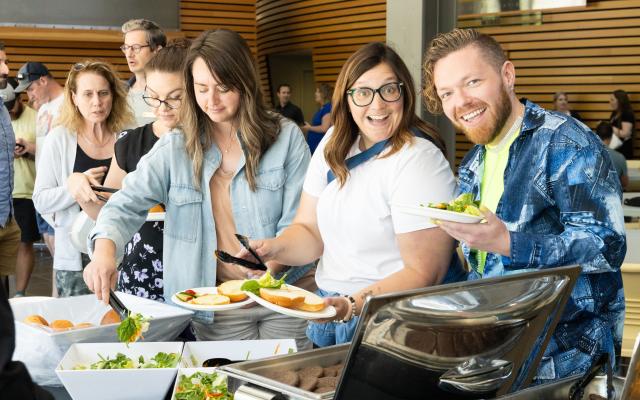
(548, 191)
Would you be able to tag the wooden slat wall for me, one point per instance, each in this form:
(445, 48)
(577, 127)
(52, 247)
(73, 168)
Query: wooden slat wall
(237, 15)
(587, 52)
(329, 29)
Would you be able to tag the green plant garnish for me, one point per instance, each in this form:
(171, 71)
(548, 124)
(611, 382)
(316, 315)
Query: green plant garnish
(462, 204)
(266, 281)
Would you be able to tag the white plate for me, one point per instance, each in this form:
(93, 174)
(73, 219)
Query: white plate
(200, 307)
(436, 213)
(327, 312)
(155, 216)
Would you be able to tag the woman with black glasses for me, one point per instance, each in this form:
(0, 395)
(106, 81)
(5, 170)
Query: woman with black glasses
(140, 272)
(377, 155)
(77, 153)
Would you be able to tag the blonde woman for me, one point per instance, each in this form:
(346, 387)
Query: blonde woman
(235, 168)
(77, 154)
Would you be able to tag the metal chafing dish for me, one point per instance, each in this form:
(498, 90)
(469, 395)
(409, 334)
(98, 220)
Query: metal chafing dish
(469, 340)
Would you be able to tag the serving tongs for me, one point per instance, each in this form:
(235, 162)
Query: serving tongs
(229, 259)
(117, 305)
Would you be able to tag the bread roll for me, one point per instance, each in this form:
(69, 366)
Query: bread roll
(36, 319)
(61, 325)
(110, 317)
(283, 297)
(231, 289)
(211, 300)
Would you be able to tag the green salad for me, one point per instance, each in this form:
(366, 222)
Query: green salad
(132, 328)
(266, 281)
(203, 386)
(160, 360)
(462, 204)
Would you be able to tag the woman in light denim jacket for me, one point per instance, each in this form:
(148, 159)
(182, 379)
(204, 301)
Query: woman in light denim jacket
(235, 168)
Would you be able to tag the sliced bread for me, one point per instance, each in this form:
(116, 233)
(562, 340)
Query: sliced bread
(312, 302)
(231, 289)
(211, 300)
(283, 297)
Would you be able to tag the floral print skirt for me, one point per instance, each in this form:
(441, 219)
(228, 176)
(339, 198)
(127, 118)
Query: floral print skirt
(140, 272)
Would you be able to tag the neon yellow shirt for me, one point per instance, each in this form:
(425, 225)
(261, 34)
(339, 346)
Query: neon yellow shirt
(492, 184)
(24, 168)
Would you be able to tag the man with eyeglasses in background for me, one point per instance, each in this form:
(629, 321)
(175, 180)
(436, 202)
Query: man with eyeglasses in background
(45, 95)
(142, 40)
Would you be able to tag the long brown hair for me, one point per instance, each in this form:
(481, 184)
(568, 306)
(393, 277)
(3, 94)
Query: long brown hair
(230, 61)
(120, 115)
(345, 130)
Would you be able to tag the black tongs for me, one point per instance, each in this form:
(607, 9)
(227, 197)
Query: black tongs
(104, 190)
(229, 259)
(117, 305)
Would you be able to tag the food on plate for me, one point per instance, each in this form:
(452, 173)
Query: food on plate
(312, 302)
(283, 297)
(266, 281)
(312, 379)
(211, 300)
(462, 204)
(61, 325)
(83, 325)
(36, 319)
(160, 360)
(110, 317)
(232, 289)
(202, 386)
(132, 328)
(157, 208)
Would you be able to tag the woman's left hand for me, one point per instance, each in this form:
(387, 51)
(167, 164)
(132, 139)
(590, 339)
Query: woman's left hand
(342, 306)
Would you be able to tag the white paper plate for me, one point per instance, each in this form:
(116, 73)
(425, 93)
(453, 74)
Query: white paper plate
(327, 312)
(155, 216)
(436, 213)
(200, 307)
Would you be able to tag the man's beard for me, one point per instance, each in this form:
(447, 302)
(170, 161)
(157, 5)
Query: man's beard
(486, 133)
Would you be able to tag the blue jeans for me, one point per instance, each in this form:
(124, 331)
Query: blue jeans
(331, 333)
(43, 226)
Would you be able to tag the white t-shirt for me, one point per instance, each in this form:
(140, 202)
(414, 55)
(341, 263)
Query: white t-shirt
(142, 112)
(357, 222)
(47, 114)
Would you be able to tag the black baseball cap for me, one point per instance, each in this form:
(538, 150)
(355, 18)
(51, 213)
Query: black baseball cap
(29, 72)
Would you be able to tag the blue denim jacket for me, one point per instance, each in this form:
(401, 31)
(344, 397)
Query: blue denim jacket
(165, 175)
(7, 144)
(562, 206)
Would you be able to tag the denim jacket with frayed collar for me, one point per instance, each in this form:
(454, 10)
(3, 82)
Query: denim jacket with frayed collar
(562, 206)
(165, 175)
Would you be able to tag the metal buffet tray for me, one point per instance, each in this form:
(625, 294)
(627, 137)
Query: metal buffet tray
(470, 340)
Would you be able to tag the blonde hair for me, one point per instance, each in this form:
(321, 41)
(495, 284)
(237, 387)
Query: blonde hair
(230, 61)
(120, 115)
(345, 129)
(447, 43)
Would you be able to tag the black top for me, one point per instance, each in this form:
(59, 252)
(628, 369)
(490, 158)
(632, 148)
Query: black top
(576, 115)
(626, 116)
(132, 144)
(15, 382)
(83, 162)
(292, 112)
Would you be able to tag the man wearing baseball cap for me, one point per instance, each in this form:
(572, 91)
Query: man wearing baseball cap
(45, 95)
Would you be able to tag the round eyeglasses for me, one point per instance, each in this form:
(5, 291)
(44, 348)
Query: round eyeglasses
(363, 96)
(135, 47)
(155, 102)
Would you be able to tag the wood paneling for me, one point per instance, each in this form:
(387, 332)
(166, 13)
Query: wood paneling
(330, 30)
(587, 52)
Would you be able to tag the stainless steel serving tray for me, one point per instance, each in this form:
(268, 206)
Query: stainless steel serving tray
(470, 340)
(245, 379)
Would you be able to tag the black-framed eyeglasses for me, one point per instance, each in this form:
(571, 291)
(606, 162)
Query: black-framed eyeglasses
(135, 47)
(170, 102)
(363, 96)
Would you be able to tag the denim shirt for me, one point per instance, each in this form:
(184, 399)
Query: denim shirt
(7, 144)
(562, 206)
(165, 175)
